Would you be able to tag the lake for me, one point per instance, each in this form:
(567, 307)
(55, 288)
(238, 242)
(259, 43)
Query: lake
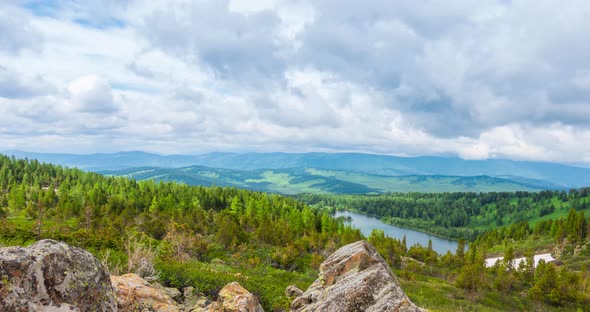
(366, 224)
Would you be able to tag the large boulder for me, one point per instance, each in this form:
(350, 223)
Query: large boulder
(233, 298)
(136, 294)
(236, 298)
(354, 278)
(53, 276)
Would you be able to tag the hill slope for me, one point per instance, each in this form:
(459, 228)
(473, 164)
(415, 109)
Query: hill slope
(309, 180)
(558, 174)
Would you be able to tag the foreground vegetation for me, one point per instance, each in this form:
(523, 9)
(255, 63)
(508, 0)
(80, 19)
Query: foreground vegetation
(206, 237)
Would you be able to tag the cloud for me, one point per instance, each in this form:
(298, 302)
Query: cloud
(13, 87)
(91, 94)
(235, 46)
(477, 79)
(475, 69)
(16, 32)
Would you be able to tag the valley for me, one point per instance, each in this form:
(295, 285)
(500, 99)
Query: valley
(323, 181)
(206, 236)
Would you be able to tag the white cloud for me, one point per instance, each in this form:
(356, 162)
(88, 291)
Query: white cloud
(16, 32)
(91, 94)
(475, 151)
(13, 86)
(478, 79)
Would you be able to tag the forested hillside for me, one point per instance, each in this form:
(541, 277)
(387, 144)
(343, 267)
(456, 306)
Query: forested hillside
(315, 181)
(458, 215)
(549, 175)
(182, 235)
(131, 220)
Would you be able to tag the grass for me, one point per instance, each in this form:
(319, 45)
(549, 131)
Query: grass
(560, 212)
(24, 222)
(281, 183)
(440, 295)
(264, 281)
(536, 244)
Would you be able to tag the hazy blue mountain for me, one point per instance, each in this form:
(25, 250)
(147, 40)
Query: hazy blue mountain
(119, 160)
(520, 171)
(310, 180)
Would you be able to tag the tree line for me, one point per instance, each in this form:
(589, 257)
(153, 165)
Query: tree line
(455, 215)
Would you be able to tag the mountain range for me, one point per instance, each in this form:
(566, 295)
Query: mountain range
(329, 172)
(318, 181)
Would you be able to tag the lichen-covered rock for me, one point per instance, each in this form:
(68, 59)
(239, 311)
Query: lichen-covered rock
(194, 300)
(174, 293)
(293, 291)
(233, 298)
(136, 294)
(53, 276)
(354, 278)
(236, 298)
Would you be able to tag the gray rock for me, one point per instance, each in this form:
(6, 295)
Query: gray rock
(232, 298)
(188, 294)
(293, 291)
(53, 276)
(136, 294)
(354, 278)
(174, 293)
(194, 300)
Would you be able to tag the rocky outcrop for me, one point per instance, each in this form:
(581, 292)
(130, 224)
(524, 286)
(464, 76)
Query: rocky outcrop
(174, 293)
(136, 294)
(193, 300)
(234, 298)
(354, 278)
(52, 276)
(293, 291)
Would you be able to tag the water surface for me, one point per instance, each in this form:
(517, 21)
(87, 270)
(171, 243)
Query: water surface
(366, 224)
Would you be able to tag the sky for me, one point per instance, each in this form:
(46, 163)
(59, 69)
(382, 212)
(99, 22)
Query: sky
(473, 79)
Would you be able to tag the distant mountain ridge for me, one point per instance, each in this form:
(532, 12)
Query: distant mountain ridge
(319, 181)
(551, 174)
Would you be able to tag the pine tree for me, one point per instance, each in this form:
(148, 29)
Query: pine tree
(404, 245)
(460, 252)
